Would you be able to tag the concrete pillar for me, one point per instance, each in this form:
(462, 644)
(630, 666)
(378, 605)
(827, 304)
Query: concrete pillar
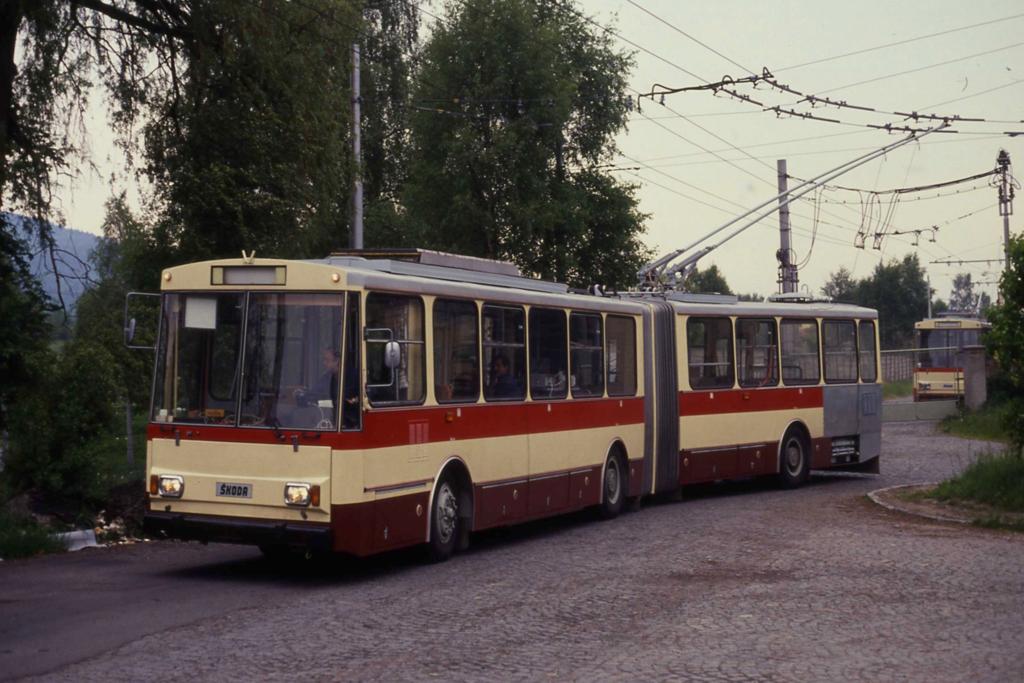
(975, 388)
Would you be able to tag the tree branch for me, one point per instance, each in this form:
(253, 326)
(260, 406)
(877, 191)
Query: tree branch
(118, 14)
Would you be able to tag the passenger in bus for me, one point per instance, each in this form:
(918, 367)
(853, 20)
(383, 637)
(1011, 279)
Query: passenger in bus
(503, 384)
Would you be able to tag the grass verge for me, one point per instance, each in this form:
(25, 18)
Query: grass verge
(898, 389)
(988, 424)
(993, 480)
(22, 536)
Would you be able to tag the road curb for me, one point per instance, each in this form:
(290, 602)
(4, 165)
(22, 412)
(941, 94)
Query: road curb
(875, 498)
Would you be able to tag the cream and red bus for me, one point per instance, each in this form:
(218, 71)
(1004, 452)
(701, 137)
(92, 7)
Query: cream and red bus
(360, 405)
(939, 372)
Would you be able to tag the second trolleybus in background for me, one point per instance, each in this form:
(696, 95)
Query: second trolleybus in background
(360, 405)
(939, 372)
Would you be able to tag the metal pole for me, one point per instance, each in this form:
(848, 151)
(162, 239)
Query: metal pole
(787, 273)
(928, 278)
(129, 436)
(1005, 200)
(356, 241)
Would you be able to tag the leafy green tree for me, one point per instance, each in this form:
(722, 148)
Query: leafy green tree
(248, 148)
(962, 298)
(389, 45)
(899, 291)
(1006, 338)
(516, 107)
(840, 286)
(24, 356)
(710, 281)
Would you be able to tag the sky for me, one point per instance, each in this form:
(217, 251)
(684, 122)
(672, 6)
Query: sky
(693, 174)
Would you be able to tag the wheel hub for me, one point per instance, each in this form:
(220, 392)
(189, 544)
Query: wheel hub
(447, 512)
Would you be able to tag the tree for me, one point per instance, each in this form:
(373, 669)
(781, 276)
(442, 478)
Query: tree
(24, 357)
(962, 298)
(840, 286)
(248, 147)
(710, 281)
(899, 291)
(516, 107)
(1006, 338)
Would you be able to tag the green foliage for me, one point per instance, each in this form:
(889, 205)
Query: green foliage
(22, 536)
(516, 106)
(25, 330)
(992, 480)
(898, 389)
(1006, 340)
(963, 298)
(897, 290)
(989, 423)
(710, 281)
(841, 286)
(248, 149)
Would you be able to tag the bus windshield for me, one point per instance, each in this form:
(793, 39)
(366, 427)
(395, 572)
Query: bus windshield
(283, 372)
(197, 375)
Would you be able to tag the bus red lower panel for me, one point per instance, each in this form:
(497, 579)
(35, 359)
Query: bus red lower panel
(374, 526)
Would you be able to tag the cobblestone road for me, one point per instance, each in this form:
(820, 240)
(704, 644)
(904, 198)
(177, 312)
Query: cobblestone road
(741, 582)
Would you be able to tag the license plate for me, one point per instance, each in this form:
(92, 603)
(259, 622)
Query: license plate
(229, 490)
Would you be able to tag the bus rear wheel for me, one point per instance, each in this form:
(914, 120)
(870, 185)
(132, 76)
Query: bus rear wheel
(794, 460)
(613, 486)
(444, 520)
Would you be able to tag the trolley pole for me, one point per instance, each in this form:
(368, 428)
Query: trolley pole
(788, 277)
(1005, 199)
(356, 238)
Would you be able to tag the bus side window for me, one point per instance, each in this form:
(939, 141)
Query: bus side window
(757, 353)
(709, 349)
(351, 407)
(840, 346)
(587, 351)
(866, 335)
(620, 344)
(799, 348)
(399, 318)
(456, 365)
(504, 350)
(548, 362)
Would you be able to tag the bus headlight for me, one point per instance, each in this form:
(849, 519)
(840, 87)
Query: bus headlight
(171, 486)
(298, 494)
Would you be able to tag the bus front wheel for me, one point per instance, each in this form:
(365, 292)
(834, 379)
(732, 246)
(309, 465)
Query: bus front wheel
(444, 520)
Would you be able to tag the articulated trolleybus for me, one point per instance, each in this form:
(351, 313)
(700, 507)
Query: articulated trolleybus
(359, 405)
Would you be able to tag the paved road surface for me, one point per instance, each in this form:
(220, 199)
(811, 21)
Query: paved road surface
(738, 582)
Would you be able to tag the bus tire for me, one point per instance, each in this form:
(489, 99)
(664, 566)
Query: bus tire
(794, 459)
(445, 522)
(613, 486)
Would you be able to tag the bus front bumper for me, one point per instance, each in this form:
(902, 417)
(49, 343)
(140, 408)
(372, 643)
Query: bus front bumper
(210, 529)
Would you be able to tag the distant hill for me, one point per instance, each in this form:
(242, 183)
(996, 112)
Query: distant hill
(73, 250)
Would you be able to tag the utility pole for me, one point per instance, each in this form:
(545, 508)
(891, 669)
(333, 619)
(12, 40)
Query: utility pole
(928, 279)
(356, 238)
(788, 277)
(1005, 199)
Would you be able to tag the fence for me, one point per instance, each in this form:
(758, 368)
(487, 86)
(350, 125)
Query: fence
(899, 364)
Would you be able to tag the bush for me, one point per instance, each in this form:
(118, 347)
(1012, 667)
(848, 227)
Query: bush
(23, 536)
(996, 480)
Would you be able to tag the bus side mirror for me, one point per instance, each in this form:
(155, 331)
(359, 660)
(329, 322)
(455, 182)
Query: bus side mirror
(392, 355)
(146, 306)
